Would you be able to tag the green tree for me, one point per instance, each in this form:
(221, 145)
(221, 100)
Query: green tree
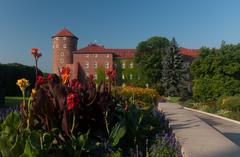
(172, 72)
(149, 58)
(216, 72)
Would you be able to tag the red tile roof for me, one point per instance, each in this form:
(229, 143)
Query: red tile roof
(189, 52)
(123, 53)
(120, 53)
(64, 33)
(92, 48)
(128, 53)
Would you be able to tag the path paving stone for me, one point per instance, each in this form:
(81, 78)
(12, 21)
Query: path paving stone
(197, 138)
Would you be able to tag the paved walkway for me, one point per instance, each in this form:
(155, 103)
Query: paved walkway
(197, 138)
(228, 129)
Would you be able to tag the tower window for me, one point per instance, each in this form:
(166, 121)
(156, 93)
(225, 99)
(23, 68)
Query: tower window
(53, 46)
(107, 65)
(64, 38)
(96, 55)
(107, 55)
(61, 60)
(87, 55)
(64, 45)
(56, 38)
(95, 65)
(87, 65)
(62, 54)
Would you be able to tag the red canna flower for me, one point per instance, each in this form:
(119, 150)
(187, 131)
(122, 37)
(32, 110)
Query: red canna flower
(40, 80)
(91, 77)
(111, 74)
(72, 100)
(34, 51)
(75, 84)
(49, 76)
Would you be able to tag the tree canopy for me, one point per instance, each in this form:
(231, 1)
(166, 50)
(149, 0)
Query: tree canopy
(149, 57)
(216, 72)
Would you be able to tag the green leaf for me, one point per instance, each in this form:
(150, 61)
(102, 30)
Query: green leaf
(117, 133)
(28, 151)
(4, 148)
(17, 148)
(35, 139)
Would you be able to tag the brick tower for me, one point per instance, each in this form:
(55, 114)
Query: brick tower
(64, 43)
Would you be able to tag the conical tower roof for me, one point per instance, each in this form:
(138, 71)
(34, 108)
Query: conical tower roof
(64, 33)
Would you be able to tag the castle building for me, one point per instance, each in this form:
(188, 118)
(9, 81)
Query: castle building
(88, 60)
(84, 61)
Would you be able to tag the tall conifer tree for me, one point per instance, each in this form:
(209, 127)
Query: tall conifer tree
(172, 73)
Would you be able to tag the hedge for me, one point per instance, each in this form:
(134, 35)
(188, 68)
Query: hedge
(10, 73)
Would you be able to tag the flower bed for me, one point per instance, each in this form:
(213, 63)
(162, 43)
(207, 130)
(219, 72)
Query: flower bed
(63, 118)
(143, 96)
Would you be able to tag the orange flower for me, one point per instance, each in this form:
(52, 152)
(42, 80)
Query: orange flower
(65, 74)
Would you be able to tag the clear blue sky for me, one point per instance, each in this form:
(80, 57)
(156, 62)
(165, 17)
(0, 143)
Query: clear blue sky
(114, 23)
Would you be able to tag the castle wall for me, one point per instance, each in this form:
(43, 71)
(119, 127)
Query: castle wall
(89, 63)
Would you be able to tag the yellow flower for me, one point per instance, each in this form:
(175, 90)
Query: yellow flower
(34, 91)
(23, 84)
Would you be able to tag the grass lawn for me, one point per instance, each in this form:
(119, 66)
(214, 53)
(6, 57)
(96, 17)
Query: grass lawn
(174, 99)
(12, 101)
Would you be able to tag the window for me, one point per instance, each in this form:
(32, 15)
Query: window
(95, 65)
(61, 60)
(57, 38)
(87, 74)
(131, 65)
(123, 65)
(64, 45)
(64, 38)
(95, 77)
(106, 77)
(107, 55)
(87, 65)
(87, 55)
(95, 55)
(53, 46)
(62, 54)
(57, 45)
(123, 77)
(106, 65)
(131, 76)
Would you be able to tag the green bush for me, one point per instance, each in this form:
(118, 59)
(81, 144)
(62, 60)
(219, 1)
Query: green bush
(231, 103)
(216, 73)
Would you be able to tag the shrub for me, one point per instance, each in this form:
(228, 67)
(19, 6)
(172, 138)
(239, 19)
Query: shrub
(231, 103)
(145, 95)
